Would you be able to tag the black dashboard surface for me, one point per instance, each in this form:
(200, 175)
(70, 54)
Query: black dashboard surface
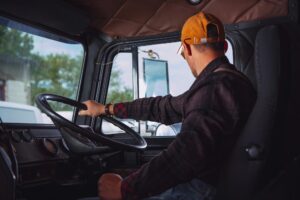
(40, 152)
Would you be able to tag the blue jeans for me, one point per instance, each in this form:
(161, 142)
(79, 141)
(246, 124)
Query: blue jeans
(193, 190)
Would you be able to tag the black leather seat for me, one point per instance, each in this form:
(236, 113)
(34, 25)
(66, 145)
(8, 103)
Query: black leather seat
(242, 176)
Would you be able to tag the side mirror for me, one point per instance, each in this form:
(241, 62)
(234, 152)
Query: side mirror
(156, 77)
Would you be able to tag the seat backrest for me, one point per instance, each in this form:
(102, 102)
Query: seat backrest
(241, 176)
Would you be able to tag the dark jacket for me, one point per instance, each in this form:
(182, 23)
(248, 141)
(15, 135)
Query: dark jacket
(213, 112)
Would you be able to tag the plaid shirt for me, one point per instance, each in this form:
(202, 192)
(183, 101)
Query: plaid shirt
(213, 112)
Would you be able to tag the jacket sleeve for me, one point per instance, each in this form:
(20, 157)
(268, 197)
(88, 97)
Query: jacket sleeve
(166, 110)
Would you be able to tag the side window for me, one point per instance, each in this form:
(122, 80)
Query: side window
(32, 62)
(161, 72)
(120, 89)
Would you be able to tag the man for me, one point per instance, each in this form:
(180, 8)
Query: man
(213, 112)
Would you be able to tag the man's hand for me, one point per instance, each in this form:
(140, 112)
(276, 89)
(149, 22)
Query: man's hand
(109, 187)
(94, 109)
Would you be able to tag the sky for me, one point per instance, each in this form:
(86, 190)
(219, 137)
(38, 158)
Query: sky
(46, 46)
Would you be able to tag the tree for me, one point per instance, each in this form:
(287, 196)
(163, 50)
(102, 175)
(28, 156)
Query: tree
(116, 91)
(62, 77)
(15, 43)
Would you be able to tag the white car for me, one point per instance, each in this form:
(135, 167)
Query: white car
(19, 113)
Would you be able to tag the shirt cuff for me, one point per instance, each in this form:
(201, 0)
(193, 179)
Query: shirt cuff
(120, 110)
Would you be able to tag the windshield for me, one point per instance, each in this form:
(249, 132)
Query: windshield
(31, 64)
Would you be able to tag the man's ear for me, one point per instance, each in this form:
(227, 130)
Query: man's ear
(188, 48)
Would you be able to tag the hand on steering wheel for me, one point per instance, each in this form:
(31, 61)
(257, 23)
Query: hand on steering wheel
(69, 129)
(94, 109)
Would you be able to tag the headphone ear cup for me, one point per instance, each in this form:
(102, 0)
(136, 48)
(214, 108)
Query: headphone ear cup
(225, 46)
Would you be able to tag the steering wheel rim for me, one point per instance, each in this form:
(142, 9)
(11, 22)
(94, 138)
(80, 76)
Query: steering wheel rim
(42, 102)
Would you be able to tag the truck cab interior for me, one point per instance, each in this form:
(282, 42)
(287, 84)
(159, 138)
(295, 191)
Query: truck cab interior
(56, 54)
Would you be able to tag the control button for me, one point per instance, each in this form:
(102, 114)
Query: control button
(50, 146)
(26, 136)
(15, 136)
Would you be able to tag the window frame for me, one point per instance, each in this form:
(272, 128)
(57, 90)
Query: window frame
(107, 55)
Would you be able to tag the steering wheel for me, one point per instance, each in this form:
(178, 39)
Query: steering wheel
(82, 140)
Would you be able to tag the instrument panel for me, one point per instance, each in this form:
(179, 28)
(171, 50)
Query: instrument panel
(40, 152)
(37, 144)
(43, 160)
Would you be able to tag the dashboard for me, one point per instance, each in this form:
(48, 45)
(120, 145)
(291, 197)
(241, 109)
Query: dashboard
(42, 158)
(39, 151)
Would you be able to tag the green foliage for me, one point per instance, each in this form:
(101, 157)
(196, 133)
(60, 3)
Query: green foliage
(116, 91)
(62, 77)
(55, 73)
(15, 43)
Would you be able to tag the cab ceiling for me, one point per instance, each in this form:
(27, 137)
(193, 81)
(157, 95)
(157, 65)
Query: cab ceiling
(128, 18)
